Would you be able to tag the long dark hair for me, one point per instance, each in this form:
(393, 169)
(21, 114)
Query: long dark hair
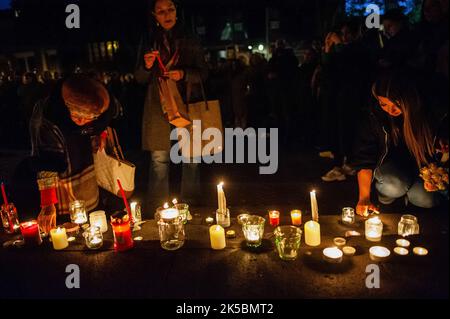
(401, 88)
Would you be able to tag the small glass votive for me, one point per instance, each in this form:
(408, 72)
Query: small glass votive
(253, 230)
(408, 226)
(98, 219)
(348, 215)
(287, 241)
(183, 209)
(374, 229)
(171, 229)
(223, 218)
(9, 218)
(296, 217)
(78, 212)
(136, 212)
(242, 218)
(93, 237)
(274, 218)
(120, 222)
(31, 234)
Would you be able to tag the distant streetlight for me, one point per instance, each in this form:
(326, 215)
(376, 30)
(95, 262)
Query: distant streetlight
(250, 47)
(261, 47)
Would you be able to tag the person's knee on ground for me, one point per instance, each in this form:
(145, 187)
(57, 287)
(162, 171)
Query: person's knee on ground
(418, 196)
(391, 183)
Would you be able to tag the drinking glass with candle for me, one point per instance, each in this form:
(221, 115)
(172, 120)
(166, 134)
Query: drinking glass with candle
(274, 218)
(348, 215)
(31, 234)
(287, 241)
(171, 229)
(78, 212)
(98, 219)
(9, 218)
(296, 217)
(253, 230)
(374, 229)
(408, 226)
(93, 237)
(120, 223)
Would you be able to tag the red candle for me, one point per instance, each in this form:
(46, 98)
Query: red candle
(122, 231)
(31, 234)
(274, 218)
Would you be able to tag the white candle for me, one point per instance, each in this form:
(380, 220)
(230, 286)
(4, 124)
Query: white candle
(59, 238)
(222, 202)
(379, 253)
(312, 233)
(314, 206)
(333, 254)
(217, 237)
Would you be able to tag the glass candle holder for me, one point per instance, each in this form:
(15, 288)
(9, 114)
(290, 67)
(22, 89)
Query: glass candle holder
(374, 229)
(136, 212)
(98, 219)
(78, 212)
(296, 217)
(183, 209)
(348, 215)
(223, 218)
(93, 237)
(274, 218)
(10, 221)
(253, 230)
(287, 241)
(120, 223)
(408, 226)
(171, 229)
(31, 234)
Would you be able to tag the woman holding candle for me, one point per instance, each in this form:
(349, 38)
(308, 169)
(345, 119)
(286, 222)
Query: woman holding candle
(167, 52)
(399, 136)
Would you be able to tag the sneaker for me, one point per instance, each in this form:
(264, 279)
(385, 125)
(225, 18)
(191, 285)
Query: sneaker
(334, 175)
(348, 170)
(327, 154)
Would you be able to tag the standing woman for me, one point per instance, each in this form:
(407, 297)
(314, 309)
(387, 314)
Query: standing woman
(185, 62)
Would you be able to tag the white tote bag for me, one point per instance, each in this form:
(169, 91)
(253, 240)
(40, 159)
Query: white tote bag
(109, 169)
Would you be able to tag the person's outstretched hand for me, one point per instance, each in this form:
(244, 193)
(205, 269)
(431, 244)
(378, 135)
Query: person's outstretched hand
(47, 218)
(175, 75)
(364, 206)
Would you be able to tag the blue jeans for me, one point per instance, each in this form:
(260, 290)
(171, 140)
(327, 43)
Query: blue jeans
(158, 187)
(393, 182)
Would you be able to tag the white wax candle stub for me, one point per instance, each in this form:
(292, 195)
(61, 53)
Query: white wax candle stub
(403, 243)
(333, 254)
(401, 251)
(349, 251)
(420, 251)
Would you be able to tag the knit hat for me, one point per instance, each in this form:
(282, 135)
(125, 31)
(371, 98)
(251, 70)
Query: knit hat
(85, 96)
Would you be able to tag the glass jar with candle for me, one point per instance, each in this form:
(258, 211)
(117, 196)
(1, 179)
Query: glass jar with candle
(274, 218)
(136, 212)
(348, 215)
(9, 217)
(408, 226)
(98, 219)
(223, 218)
(93, 237)
(183, 209)
(287, 241)
(374, 229)
(171, 229)
(78, 212)
(120, 223)
(253, 229)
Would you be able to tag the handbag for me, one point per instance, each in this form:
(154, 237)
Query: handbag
(110, 168)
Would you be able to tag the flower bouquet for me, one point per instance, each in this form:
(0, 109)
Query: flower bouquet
(435, 178)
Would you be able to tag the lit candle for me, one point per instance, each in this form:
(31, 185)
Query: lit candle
(332, 255)
(314, 206)
(222, 202)
(379, 253)
(401, 251)
(374, 229)
(403, 243)
(217, 237)
(169, 213)
(420, 251)
(98, 219)
(339, 242)
(274, 218)
(349, 251)
(30, 233)
(312, 233)
(296, 217)
(209, 220)
(133, 206)
(231, 234)
(59, 238)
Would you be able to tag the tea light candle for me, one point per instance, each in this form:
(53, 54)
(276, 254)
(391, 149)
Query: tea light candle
(401, 251)
(231, 234)
(332, 255)
(403, 243)
(59, 238)
(296, 217)
(339, 242)
(379, 253)
(209, 220)
(374, 229)
(274, 218)
(349, 251)
(420, 251)
(30, 232)
(217, 237)
(312, 233)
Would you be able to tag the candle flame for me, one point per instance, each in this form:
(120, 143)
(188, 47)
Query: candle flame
(221, 184)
